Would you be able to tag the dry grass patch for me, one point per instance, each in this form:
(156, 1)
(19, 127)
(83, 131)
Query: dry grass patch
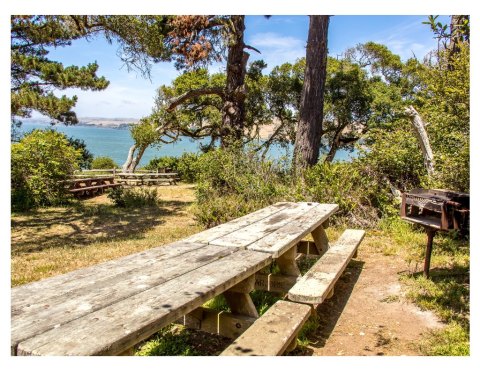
(52, 241)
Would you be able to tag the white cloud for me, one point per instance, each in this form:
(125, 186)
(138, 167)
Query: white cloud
(276, 49)
(115, 101)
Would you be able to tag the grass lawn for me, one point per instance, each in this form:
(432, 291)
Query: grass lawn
(52, 241)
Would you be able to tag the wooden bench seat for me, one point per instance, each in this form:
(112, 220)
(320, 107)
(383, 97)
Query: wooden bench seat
(103, 186)
(161, 180)
(272, 334)
(317, 284)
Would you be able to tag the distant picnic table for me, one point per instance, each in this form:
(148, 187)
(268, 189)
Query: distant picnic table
(90, 185)
(149, 178)
(107, 308)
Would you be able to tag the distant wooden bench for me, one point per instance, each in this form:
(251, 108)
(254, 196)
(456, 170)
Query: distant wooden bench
(272, 334)
(89, 186)
(317, 284)
(103, 186)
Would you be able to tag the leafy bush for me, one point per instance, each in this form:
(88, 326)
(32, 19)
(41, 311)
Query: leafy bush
(40, 161)
(185, 165)
(161, 163)
(231, 183)
(133, 198)
(101, 163)
(362, 197)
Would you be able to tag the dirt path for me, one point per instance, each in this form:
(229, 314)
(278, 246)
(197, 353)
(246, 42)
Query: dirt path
(368, 314)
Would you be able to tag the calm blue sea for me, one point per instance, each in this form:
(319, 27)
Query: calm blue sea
(115, 143)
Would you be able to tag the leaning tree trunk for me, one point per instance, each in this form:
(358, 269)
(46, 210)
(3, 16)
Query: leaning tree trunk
(233, 110)
(133, 159)
(309, 130)
(419, 128)
(334, 146)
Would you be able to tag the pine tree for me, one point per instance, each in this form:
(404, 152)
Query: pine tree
(34, 77)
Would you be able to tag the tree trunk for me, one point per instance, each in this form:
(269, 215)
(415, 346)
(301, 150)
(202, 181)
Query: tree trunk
(233, 110)
(133, 159)
(419, 128)
(309, 130)
(334, 146)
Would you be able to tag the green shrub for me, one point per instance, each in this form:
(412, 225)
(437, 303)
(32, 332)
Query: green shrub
(362, 198)
(161, 163)
(40, 161)
(187, 167)
(101, 163)
(133, 198)
(231, 183)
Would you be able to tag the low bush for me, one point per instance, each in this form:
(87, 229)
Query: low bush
(103, 163)
(362, 198)
(185, 165)
(40, 161)
(133, 198)
(231, 183)
(161, 163)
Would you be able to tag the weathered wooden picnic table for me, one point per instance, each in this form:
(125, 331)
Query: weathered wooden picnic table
(108, 308)
(152, 178)
(90, 185)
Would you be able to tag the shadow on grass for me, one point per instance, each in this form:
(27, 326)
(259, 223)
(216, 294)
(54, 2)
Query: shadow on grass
(447, 291)
(82, 224)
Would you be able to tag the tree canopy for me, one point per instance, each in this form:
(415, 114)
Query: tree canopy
(34, 77)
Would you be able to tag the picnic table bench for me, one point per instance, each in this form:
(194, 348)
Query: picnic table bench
(107, 308)
(90, 185)
(151, 178)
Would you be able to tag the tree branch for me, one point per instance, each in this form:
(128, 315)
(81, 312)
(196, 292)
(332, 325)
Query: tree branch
(175, 102)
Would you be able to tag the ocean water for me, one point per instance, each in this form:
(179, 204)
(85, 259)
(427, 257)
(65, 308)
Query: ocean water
(115, 143)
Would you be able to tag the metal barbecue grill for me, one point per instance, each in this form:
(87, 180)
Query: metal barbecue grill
(436, 210)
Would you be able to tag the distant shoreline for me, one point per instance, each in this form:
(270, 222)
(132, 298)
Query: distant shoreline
(124, 123)
(115, 123)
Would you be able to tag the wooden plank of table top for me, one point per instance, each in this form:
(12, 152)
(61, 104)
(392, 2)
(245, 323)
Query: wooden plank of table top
(290, 234)
(42, 316)
(114, 328)
(224, 229)
(45, 289)
(257, 230)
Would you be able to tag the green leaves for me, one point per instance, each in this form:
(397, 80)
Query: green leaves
(35, 78)
(40, 161)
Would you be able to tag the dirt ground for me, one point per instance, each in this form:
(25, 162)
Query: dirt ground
(368, 314)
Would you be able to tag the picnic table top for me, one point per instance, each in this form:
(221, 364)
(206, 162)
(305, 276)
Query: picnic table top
(109, 307)
(273, 229)
(116, 303)
(150, 174)
(84, 179)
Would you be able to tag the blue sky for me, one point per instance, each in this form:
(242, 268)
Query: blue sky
(280, 39)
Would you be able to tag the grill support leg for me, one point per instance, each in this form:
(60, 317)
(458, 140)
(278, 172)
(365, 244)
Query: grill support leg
(428, 251)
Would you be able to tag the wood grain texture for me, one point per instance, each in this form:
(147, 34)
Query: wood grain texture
(219, 231)
(255, 231)
(292, 232)
(272, 333)
(119, 326)
(314, 286)
(45, 289)
(42, 316)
